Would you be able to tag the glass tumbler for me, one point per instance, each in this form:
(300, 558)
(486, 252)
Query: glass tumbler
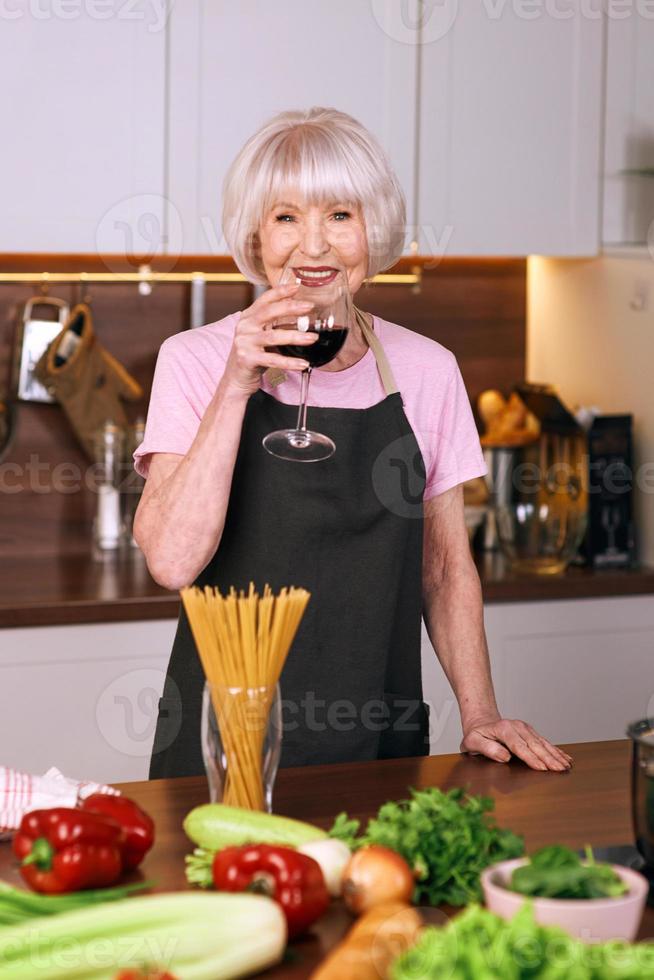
(241, 735)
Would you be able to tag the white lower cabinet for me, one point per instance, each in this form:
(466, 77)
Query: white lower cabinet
(82, 698)
(577, 670)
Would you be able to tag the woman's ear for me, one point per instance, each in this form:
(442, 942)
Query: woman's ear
(254, 246)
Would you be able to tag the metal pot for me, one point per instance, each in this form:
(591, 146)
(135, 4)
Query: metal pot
(641, 734)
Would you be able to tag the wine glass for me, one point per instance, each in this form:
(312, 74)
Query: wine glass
(327, 288)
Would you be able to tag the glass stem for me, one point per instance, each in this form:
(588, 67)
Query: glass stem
(304, 392)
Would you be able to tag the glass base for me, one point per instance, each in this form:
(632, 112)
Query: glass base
(538, 566)
(299, 445)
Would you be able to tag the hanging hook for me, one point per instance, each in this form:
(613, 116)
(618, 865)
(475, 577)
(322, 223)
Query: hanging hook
(84, 292)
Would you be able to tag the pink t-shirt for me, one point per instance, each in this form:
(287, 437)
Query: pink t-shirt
(190, 364)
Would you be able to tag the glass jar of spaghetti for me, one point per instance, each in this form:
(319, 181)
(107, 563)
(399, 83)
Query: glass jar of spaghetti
(241, 733)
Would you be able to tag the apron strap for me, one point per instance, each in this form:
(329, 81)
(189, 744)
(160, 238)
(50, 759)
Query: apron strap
(374, 343)
(274, 376)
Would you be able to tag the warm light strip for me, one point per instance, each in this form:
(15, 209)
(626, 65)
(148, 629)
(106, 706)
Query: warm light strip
(387, 279)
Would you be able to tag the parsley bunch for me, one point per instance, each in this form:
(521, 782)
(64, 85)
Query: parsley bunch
(448, 838)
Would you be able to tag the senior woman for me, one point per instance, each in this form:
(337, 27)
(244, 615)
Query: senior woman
(314, 190)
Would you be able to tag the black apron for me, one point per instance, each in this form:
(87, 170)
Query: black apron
(349, 529)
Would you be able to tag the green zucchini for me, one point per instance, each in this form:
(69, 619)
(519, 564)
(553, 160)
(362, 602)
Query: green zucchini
(215, 825)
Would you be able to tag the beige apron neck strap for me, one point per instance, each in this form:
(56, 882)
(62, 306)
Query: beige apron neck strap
(374, 343)
(275, 376)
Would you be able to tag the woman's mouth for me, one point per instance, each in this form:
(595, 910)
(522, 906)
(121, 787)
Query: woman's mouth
(318, 275)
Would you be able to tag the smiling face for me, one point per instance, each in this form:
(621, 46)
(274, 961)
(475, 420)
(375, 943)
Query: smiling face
(316, 240)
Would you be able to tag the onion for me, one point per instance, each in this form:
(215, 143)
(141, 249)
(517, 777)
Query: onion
(374, 875)
(332, 855)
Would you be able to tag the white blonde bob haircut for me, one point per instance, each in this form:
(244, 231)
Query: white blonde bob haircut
(324, 156)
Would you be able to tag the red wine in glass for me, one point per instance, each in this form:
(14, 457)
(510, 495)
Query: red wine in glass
(328, 320)
(323, 350)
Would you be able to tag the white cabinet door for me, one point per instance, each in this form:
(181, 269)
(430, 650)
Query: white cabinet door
(577, 670)
(510, 129)
(629, 138)
(83, 698)
(234, 65)
(82, 109)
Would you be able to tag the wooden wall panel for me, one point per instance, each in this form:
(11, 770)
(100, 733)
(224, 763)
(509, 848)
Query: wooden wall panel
(476, 308)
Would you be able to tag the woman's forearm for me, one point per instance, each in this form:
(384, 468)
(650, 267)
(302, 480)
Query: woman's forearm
(454, 618)
(178, 524)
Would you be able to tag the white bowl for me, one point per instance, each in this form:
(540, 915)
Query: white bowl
(592, 920)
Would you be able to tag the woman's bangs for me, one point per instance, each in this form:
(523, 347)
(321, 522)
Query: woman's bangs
(310, 166)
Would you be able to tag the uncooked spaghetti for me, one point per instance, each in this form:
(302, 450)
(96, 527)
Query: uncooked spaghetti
(243, 641)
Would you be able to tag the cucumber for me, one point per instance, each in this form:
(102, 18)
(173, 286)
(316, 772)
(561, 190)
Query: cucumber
(215, 825)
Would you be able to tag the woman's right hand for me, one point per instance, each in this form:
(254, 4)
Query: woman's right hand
(250, 355)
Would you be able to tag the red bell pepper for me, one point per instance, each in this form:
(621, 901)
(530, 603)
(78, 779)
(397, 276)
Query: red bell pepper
(292, 879)
(136, 823)
(65, 850)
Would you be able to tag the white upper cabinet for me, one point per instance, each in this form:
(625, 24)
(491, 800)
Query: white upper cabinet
(489, 110)
(510, 128)
(82, 109)
(233, 65)
(629, 140)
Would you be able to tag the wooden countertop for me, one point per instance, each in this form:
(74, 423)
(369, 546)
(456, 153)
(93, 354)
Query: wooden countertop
(589, 804)
(73, 588)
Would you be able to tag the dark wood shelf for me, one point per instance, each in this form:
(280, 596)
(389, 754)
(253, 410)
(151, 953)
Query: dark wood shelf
(500, 584)
(74, 588)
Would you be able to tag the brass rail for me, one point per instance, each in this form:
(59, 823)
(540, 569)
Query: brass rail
(413, 278)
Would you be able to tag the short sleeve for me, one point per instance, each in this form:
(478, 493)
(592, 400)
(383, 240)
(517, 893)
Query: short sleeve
(173, 413)
(457, 453)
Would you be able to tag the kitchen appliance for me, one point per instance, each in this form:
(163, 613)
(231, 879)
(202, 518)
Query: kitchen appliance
(539, 489)
(33, 337)
(501, 462)
(610, 537)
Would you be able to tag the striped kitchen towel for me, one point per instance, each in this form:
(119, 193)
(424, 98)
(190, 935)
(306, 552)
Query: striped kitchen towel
(21, 792)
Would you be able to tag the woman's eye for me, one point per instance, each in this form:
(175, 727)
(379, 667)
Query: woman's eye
(341, 215)
(284, 217)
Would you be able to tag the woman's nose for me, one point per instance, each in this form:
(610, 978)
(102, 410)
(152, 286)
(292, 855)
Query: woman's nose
(314, 241)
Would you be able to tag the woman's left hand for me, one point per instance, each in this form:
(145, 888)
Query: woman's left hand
(500, 738)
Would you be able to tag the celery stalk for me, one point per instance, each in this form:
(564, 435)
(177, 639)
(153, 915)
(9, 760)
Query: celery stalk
(196, 936)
